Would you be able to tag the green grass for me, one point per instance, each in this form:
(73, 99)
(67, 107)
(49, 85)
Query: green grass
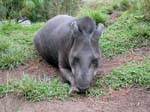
(130, 31)
(95, 14)
(16, 43)
(131, 73)
(121, 77)
(36, 90)
(100, 10)
(125, 34)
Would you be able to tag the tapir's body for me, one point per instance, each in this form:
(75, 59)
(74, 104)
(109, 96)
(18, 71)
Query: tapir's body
(54, 36)
(71, 45)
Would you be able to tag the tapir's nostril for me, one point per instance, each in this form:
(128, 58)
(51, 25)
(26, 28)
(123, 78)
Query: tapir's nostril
(83, 90)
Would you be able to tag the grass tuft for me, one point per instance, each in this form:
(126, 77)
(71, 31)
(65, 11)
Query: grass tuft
(95, 14)
(127, 33)
(16, 43)
(129, 74)
(34, 90)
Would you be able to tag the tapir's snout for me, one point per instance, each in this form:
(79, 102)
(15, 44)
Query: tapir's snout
(83, 85)
(83, 90)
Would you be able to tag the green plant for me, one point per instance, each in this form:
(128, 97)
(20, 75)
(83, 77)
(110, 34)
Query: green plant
(96, 91)
(16, 44)
(115, 6)
(34, 90)
(95, 14)
(132, 73)
(124, 5)
(8, 8)
(127, 33)
(142, 9)
(37, 10)
(106, 10)
(4, 44)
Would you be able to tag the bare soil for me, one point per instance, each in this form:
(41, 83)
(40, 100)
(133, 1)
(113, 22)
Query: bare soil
(136, 54)
(36, 68)
(134, 99)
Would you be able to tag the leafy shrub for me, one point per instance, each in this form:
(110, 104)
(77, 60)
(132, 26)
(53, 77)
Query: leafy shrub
(124, 5)
(95, 14)
(37, 10)
(115, 6)
(106, 10)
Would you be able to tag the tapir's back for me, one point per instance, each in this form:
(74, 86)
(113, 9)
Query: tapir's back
(49, 37)
(54, 23)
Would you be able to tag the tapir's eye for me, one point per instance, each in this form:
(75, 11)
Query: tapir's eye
(94, 62)
(75, 60)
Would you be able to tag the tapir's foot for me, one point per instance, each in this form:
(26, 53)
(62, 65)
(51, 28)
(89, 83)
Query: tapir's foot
(73, 89)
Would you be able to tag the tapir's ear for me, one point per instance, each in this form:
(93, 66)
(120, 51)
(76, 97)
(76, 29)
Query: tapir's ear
(99, 31)
(74, 28)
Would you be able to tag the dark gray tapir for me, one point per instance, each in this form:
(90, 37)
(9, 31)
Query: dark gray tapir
(72, 45)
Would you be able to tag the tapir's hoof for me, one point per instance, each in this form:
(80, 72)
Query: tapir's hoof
(73, 89)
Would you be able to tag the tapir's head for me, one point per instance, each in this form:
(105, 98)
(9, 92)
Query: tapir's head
(85, 56)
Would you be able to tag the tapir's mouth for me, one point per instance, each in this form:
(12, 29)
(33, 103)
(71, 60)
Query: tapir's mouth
(83, 89)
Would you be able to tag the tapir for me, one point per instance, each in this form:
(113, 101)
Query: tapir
(72, 45)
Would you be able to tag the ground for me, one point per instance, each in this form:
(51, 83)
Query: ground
(131, 99)
(135, 99)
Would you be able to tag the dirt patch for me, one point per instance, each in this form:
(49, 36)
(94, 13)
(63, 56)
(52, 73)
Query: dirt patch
(109, 64)
(39, 68)
(113, 17)
(125, 100)
(36, 68)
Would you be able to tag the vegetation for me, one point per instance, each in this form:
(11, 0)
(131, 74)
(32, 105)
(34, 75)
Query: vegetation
(129, 74)
(101, 9)
(132, 30)
(96, 15)
(37, 10)
(127, 33)
(34, 90)
(16, 44)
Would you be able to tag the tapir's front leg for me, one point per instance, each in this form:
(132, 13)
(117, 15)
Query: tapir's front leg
(67, 74)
